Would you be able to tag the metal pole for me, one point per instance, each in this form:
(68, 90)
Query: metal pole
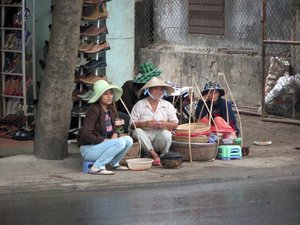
(281, 42)
(263, 55)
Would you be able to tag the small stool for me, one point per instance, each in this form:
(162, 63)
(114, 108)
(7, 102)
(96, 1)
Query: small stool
(86, 165)
(228, 152)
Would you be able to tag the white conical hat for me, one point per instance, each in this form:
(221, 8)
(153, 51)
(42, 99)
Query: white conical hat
(156, 82)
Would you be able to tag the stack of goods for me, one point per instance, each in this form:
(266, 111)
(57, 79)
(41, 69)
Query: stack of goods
(193, 132)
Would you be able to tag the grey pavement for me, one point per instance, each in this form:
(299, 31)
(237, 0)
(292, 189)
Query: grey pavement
(31, 173)
(19, 168)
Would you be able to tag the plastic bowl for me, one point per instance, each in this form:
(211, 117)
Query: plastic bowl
(139, 163)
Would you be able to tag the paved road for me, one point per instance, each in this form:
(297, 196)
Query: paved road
(253, 201)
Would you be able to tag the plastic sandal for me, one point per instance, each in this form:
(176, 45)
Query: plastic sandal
(121, 168)
(101, 172)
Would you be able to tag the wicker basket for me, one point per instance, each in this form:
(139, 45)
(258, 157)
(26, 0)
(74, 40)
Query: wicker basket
(200, 151)
(196, 139)
(133, 152)
(195, 128)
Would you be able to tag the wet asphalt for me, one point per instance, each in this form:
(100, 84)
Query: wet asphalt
(253, 201)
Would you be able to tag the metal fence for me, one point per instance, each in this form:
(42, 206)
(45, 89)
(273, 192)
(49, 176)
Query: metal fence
(281, 61)
(246, 24)
(169, 25)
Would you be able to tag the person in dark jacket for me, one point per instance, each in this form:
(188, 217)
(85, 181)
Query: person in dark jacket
(212, 94)
(130, 90)
(98, 139)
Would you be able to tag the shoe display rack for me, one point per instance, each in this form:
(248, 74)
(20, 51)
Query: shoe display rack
(91, 57)
(18, 60)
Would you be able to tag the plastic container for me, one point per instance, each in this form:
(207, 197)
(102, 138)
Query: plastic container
(171, 160)
(228, 152)
(139, 163)
(86, 165)
(238, 141)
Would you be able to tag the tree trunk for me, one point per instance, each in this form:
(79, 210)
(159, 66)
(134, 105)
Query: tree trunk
(55, 99)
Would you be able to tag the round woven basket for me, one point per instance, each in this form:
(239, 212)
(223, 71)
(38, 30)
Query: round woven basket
(196, 139)
(199, 151)
(132, 153)
(193, 128)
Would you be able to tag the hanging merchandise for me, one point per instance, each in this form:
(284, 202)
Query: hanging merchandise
(18, 60)
(91, 58)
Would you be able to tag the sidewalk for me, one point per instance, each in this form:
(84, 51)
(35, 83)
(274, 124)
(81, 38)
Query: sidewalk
(19, 168)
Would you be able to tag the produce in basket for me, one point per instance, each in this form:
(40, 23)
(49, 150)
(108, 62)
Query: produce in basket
(194, 139)
(193, 128)
(194, 132)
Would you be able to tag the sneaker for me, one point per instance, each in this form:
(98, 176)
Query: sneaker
(79, 76)
(84, 28)
(17, 18)
(79, 111)
(92, 78)
(12, 66)
(91, 12)
(87, 96)
(6, 65)
(95, 31)
(95, 1)
(85, 46)
(98, 47)
(13, 106)
(82, 61)
(93, 64)
(75, 95)
(10, 41)
(27, 36)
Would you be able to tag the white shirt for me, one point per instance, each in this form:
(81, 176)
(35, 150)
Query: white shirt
(142, 111)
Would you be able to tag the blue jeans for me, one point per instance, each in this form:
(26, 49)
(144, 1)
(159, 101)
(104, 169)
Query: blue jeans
(109, 151)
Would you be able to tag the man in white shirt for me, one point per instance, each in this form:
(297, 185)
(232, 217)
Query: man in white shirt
(153, 118)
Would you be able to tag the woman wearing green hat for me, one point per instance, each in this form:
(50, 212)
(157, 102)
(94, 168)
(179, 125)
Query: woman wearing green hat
(98, 139)
(130, 90)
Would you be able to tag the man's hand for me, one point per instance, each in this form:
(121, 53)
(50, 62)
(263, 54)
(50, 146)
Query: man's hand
(149, 124)
(161, 124)
(153, 124)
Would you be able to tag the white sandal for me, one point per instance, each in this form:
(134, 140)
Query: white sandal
(102, 172)
(121, 168)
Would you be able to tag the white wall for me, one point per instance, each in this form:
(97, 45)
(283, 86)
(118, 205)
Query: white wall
(120, 24)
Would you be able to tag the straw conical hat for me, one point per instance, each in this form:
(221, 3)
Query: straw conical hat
(156, 82)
